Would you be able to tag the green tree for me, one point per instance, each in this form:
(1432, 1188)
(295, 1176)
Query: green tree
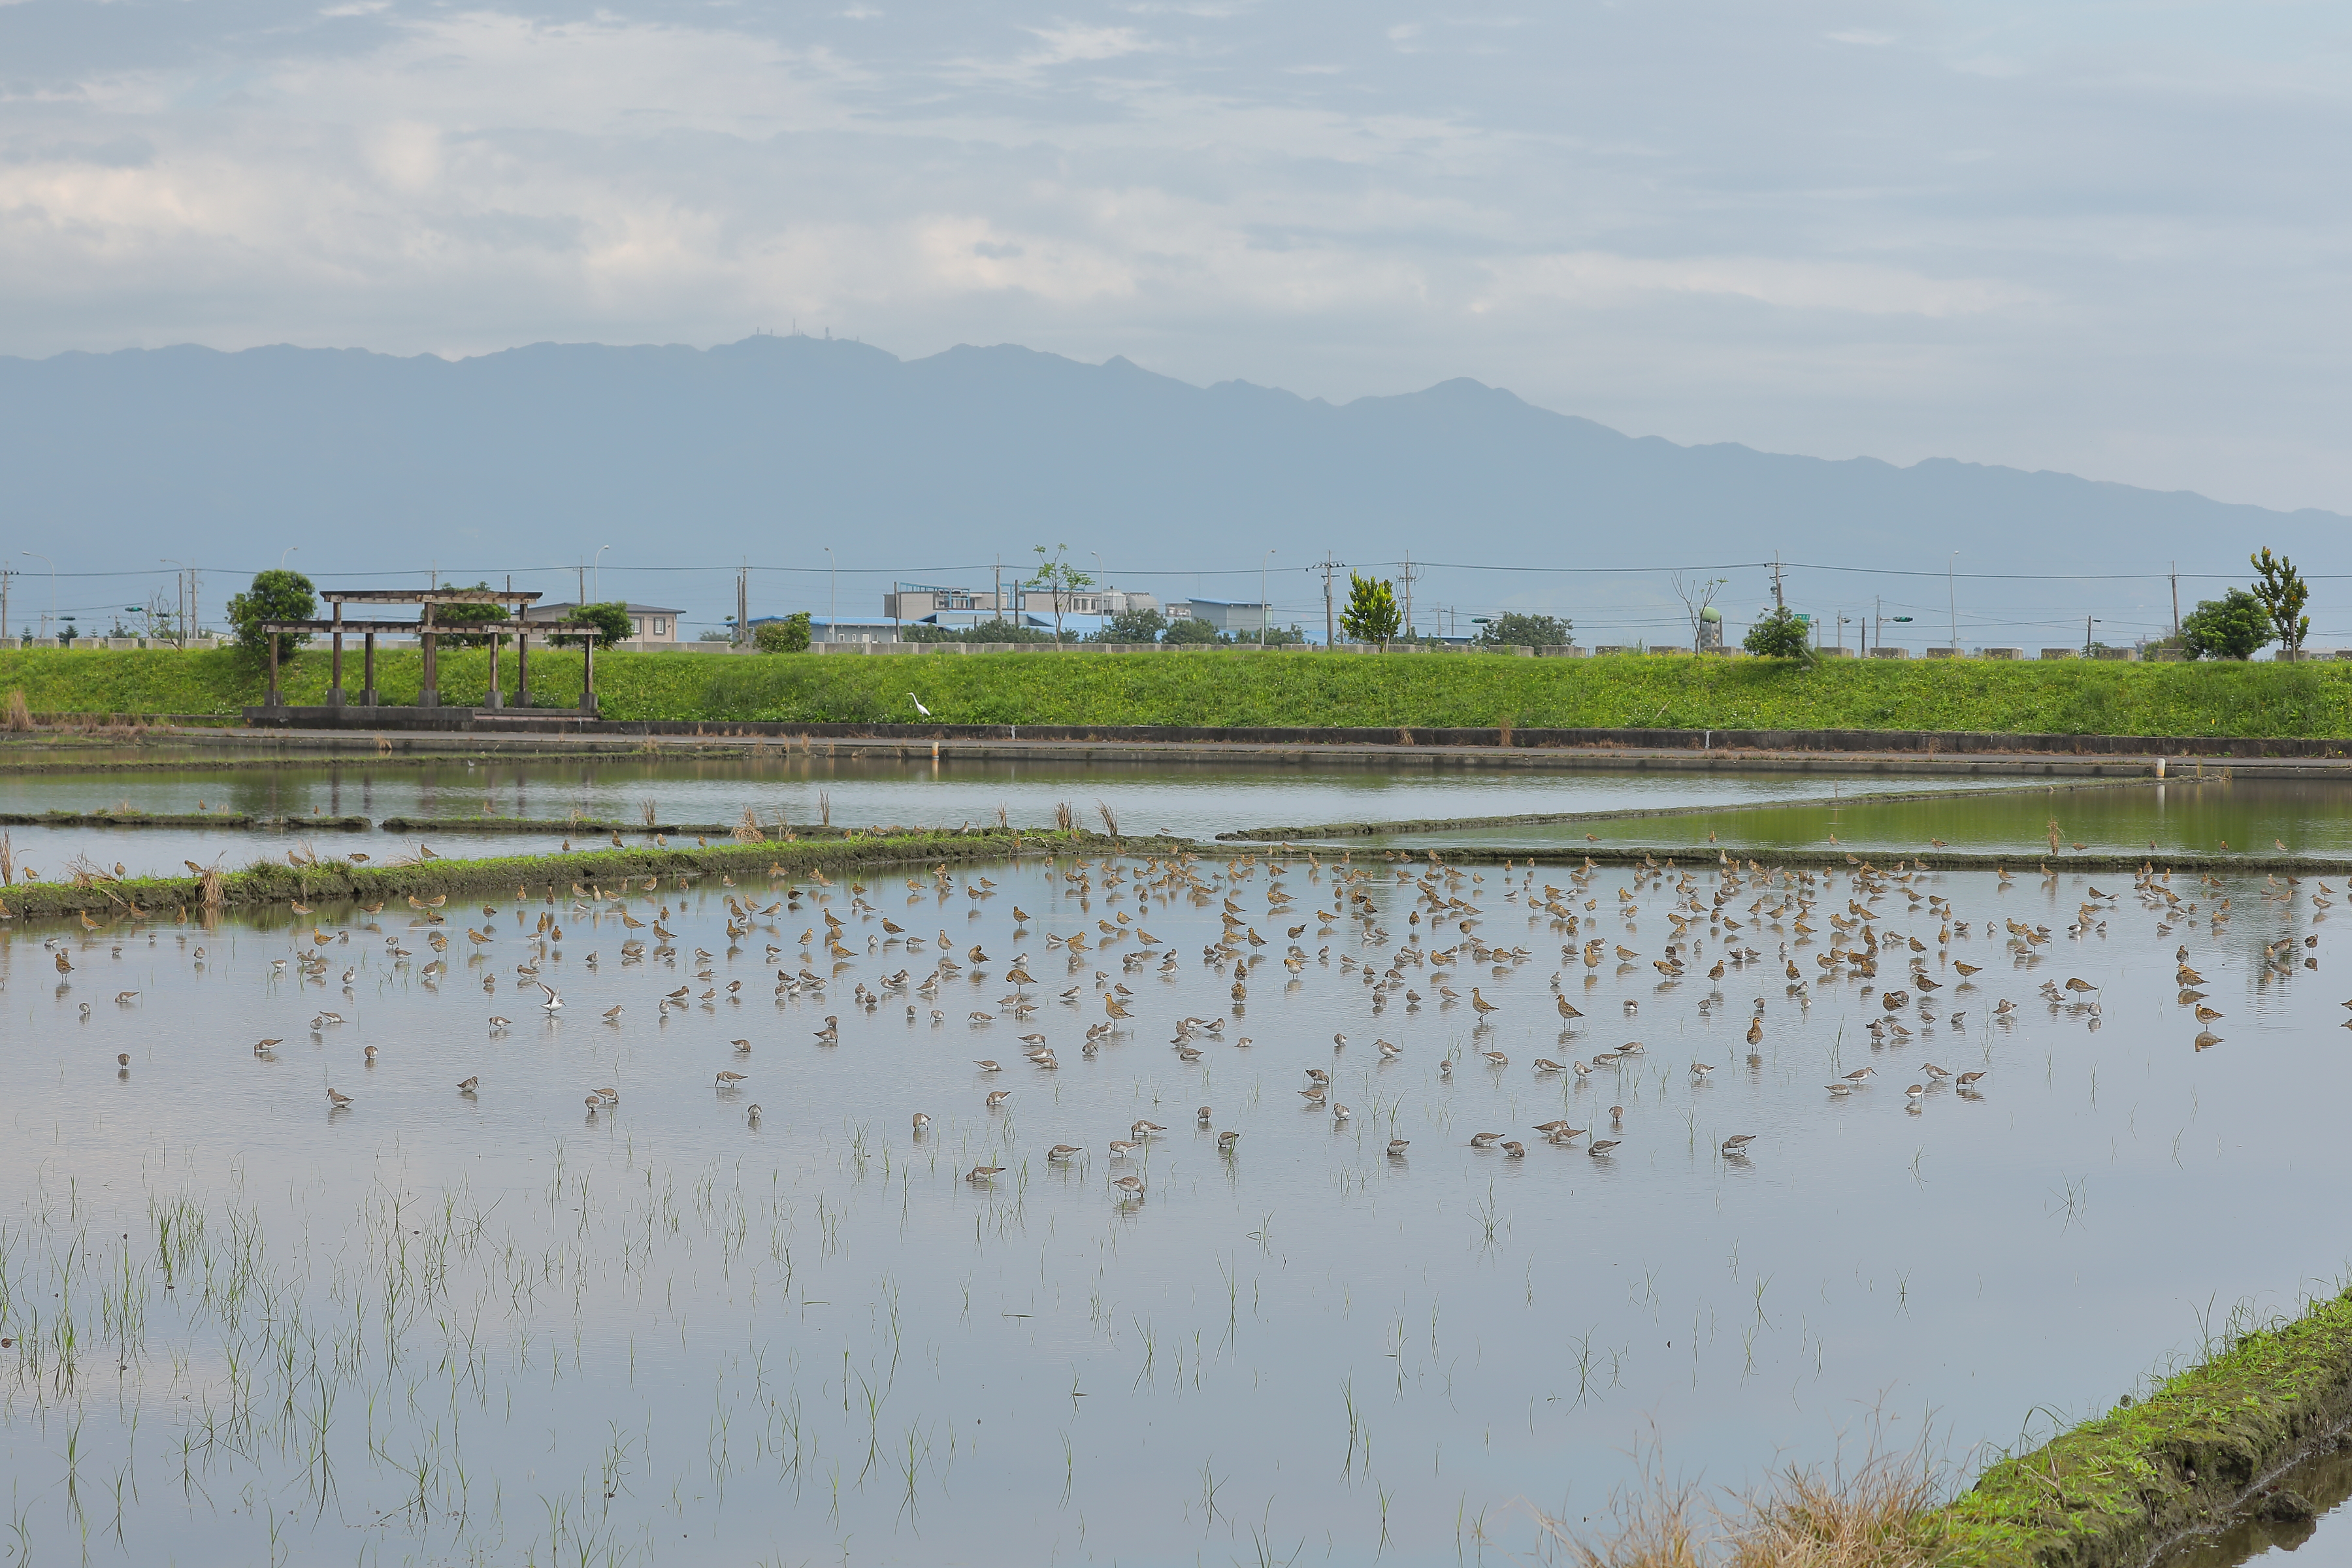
(790, 634)
(611, 621)
(1512, 629)
(2234, 625)
(1058, 578)
(2284, 594)
(276, 595)
(1782, 633)
(1186, 629)
(468, 615)
(1276, 637)
(1133, 627)
(1371, 613)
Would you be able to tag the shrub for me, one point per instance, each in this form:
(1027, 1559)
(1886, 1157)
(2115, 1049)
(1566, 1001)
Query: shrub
(1512, 629)
(789, 634)
(1189, 630)
(1781, 635)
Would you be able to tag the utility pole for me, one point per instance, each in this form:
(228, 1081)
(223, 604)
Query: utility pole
(4, 576)
(1877, 615)
(584, 586)
(1408, 574)
(2176, 601)
(1330, 627)
(1779, 601)
(743, 602)
(999, 594)
(1952, 602)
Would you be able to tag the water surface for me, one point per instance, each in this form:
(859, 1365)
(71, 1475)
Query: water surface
(503, 1325)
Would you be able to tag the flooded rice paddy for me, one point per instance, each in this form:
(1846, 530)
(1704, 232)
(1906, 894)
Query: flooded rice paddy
(1189, 800)
(405, 1283)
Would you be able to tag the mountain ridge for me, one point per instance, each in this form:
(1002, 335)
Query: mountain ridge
(771, 447)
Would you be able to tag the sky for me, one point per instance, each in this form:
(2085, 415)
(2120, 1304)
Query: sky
(2106, 238)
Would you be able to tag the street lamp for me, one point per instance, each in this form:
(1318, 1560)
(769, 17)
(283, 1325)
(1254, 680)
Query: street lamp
(832, 596)
(289, 551)
(1263, 615)
(597, 567)
(53, 587)
(1952, 603)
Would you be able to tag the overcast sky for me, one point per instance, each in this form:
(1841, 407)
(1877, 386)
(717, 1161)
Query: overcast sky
(2106, 238)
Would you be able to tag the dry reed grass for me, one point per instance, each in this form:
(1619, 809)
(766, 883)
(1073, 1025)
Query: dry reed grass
(1881, 1515)
(1062, 819)
(7, 862)
(20, 716)
(749, 831)
(1109, 820)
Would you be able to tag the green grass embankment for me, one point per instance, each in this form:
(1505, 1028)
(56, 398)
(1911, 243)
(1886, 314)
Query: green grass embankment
(2109, 1491)
(1247, 689)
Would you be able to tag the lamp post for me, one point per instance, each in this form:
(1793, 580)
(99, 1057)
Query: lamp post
(282, 554)
(1951, 602)
(1263, 615)
(832, 596)
(53, 587)
(596, 568)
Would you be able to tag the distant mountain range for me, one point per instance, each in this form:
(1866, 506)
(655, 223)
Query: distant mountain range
(771, 448)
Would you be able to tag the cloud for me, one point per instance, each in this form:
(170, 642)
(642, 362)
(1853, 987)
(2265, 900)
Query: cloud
(1600, 279)
(2007, 233)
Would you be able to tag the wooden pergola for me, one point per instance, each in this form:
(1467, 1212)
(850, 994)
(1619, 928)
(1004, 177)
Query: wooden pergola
(429, 635)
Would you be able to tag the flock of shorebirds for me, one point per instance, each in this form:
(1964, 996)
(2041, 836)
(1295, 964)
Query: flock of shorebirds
(1830, 926)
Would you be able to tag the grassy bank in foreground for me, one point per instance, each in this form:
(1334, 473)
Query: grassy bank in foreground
(1242, 688)
(2105, 1494)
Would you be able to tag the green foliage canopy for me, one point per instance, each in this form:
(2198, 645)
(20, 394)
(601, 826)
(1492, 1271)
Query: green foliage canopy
(1371, 613)
(276, 595)
(2284, 594)
(1779, 634)
(2232, 626)
(790, 634)
(1512, 629)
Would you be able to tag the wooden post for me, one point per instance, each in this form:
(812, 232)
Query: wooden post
(274, 701)
(523, 665)
(430, 695)
(588, 670)
(496, 700)
(367, 669)
(335, 685)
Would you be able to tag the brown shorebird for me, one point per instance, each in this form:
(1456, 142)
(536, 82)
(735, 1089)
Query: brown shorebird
(1397, 1146)
(471, 1084)
(1514, 1150)
(1605, 1146)
(1485, 1139)
(729, 1079)
(1128, 1186)
(980, 1174)
(1225, 1141)
(922, 1121)
(337, 1099)
(1061, 1151)
(1738, 1142)
(997, 1097)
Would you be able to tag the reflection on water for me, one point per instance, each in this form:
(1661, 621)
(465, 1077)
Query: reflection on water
(2248, 816)
(502, 1323)
(2324, 1481)
(1189, 799)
